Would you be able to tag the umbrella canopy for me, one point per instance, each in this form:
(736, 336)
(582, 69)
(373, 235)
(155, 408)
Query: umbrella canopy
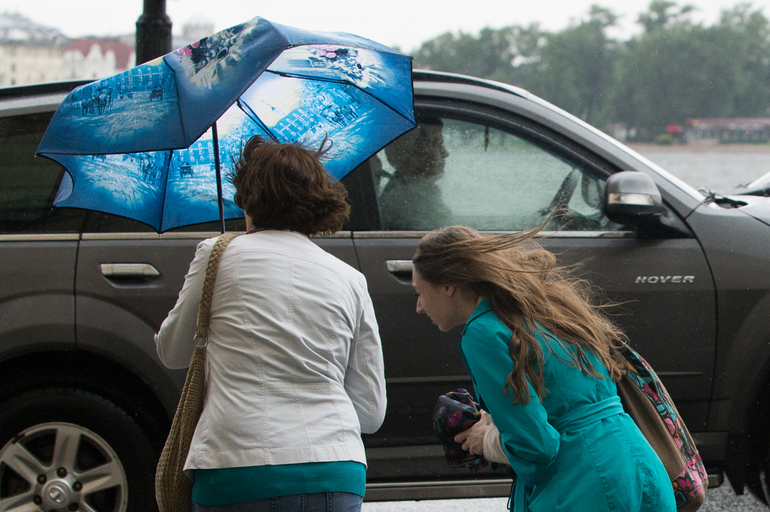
(138, 144)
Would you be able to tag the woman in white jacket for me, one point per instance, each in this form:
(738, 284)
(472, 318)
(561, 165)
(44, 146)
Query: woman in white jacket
(294, 359)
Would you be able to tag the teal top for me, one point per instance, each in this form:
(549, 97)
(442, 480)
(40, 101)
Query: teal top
(577, 450)
(225, 486)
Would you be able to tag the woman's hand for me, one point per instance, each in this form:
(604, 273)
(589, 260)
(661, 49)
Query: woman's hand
(473, 438)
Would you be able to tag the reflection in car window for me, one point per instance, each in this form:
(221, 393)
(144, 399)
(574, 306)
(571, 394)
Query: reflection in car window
(28, 184)
(449, 171)
(412, 197)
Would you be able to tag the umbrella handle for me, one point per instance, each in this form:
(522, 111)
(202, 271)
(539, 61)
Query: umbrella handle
(220, 199)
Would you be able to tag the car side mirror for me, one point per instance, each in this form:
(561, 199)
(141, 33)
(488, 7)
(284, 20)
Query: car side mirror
(630, 195)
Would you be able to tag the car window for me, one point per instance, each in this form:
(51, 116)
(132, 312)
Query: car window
(450, 171)
(28, 184)
(99, 222)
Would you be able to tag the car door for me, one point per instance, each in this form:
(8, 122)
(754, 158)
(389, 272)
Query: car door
(498, 172)
(38, 244)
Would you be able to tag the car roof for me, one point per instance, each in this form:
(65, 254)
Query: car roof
(31, 99)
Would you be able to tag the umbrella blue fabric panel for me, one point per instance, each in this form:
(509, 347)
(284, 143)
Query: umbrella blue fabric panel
(169, 102)
(165, 189)
(134, 185)
(120, 114)
(386, 76)
(191, 188)
(131, 185)
(214, 71)
(191, 191)
(297, 37)
(307, 111)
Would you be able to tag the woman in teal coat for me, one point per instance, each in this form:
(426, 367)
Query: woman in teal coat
(544, 368)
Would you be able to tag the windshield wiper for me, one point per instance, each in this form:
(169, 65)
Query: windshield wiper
(720, 199)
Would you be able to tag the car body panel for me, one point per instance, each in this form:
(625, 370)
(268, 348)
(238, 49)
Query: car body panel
(36, 300)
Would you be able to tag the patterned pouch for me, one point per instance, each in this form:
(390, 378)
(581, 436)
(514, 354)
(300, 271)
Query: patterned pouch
(455, 412)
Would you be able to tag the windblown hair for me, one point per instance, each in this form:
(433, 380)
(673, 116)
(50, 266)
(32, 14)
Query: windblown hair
(529, 294)
(285, 187)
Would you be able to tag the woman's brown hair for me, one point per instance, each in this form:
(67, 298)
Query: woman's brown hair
(528, 293)
(285, 187)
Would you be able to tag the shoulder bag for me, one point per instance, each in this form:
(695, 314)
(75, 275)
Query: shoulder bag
(173, 490)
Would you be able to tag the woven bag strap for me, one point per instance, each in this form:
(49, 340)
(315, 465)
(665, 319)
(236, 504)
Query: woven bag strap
(202, 329)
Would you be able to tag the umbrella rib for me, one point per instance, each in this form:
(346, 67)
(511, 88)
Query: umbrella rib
(165, 189)
(310, 77)
(253, 116)
(342, 82)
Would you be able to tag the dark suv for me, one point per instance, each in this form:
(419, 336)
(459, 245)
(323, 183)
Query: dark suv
(85, 403)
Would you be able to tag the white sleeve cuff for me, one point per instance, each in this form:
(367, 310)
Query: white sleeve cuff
(493, 446)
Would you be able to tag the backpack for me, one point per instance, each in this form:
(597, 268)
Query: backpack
(646, 400)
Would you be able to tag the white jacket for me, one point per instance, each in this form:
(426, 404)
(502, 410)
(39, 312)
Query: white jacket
(294, 360)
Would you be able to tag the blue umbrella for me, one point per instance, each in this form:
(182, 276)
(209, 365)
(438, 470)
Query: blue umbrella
(151, 143)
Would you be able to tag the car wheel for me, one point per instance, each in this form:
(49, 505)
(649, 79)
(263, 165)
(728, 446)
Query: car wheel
(67, 449)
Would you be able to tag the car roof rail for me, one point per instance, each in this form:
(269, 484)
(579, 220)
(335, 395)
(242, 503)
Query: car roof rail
(426, 75)
(40, 89)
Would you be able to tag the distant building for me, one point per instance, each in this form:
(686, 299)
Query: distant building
(91, 58)
(31, 53)
(727, 130)
(623, 132)
(192, 32)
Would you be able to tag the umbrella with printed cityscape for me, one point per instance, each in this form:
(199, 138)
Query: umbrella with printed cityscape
(152, 143)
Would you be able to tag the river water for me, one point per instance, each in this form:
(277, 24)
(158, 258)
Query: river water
(718, 168)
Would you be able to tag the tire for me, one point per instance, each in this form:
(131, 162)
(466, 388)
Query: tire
(102, 462)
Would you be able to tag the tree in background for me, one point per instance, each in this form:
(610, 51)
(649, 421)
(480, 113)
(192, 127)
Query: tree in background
(752, 29)
(677, 70)
(663, 14)
(576, 68)
(674, 70)
(494, 54)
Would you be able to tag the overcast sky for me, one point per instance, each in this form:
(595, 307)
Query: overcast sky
(401, 23)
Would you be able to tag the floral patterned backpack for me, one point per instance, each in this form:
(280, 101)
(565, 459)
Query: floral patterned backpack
(646, 400)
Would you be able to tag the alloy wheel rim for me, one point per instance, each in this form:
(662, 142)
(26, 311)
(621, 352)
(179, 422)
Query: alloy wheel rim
(61, 466)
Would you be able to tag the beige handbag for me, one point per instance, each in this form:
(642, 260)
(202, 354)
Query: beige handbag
(173, 490)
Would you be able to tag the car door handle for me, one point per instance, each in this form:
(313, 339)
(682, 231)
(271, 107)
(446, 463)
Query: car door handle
(401, 270)
(131, 270)
(399, 266)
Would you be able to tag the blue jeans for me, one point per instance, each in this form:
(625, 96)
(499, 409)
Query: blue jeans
(317, 502)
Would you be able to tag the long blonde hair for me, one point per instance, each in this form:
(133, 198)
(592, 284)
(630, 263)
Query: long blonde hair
(527, 291)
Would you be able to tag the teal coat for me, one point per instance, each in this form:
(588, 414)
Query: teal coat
(574, 451)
